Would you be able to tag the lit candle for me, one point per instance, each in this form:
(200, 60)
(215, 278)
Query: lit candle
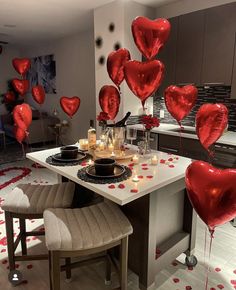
(135, 178)
(135, 159)
(113, 154)
(154, 160)
(101, 146)
(111, 147)
(83, 144)
(90, 162)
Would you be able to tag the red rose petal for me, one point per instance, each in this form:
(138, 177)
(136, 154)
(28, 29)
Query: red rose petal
(217, 269)
(174, 263)
(190, 268)
(162, 161)
(121, 186)
(149, 176)
(112, 186)
(145, 168)
(171, 166)
(3, 250)
(212, 288)
(170, 159)
(188, 288)
(144, 164)
(4, 262)
(2, 222)
(30, 266)
(131, 164)
(176, 280)
(220, 286)
(134, 190)
(158, 251)
(233, 282)
(140, 177)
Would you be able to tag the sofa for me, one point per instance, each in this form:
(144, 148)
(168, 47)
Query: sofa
(39, 130)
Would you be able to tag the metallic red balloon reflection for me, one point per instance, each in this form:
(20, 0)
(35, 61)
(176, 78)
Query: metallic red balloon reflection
(212, 192)
(22, 115)
(109, 100)
(20, 134)
(9, 97)
(180, 101)
(38, 94)
(211, 121)
(150, 35)
(115, 65)
(21, 86)
(21, 65)
(144, 78)
(70, 105)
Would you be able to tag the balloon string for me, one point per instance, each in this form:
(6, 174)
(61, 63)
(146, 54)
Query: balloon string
(209, 257)
(180, 138)
(23, 150)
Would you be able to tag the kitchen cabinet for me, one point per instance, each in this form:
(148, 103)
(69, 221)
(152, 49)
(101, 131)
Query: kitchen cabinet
(168, 56)
(219, 41)
(190, 47)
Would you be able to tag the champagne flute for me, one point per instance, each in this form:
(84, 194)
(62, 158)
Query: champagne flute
(131, 134)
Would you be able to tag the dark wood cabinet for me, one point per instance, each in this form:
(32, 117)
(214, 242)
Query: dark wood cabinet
(190, 47)
(219, 41)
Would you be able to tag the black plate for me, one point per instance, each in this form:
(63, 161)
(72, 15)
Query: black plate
(118, 171)
(57, 157)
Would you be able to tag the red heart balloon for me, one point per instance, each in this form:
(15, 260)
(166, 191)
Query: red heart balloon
(20, 134)
(70, 105)
(115, 65)
(109, 100)
(144, 78)
(22, 115)
(211, 121)
(212, 192)
(150, 35)
(180, 101)
(21, 65)
(38, 94)
(9, 97)
(21, 86)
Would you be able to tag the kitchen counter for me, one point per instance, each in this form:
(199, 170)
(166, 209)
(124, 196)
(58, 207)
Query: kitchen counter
(228, 138)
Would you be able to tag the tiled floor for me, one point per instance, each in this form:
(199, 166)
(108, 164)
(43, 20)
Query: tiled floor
(175, 277)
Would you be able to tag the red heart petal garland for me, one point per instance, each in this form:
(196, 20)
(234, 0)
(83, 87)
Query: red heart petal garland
(212, 192)
(150, 35)
(180, 101)
(70, 105)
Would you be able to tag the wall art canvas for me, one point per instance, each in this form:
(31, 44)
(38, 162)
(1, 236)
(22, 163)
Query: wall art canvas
(43, 72)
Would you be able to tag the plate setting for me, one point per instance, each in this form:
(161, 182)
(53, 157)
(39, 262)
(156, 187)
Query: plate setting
(118, 171)
(58, 157)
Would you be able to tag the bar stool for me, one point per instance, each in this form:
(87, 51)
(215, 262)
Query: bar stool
(85, 231)
(28, 201)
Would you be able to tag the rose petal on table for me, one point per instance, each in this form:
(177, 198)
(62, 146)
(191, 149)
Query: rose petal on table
(176, 280)
(30, 266)
(217, 269)
(171, 166)
(233, 282)
(149, 176)
(162, 161)
(170, 159)
(133, 190)
(190, 268)
(4, 262)
(121, 186)
(131, 164)
(220, 286)
(140, 177)
(174, 263)
(145, 168)
(112, 186)
(188, 288)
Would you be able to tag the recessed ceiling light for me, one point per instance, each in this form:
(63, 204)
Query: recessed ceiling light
(9, 25)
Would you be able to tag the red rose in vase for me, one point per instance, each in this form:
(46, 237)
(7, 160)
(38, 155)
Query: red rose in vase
(150, 122)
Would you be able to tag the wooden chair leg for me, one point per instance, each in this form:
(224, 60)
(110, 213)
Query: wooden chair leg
(123, 263)
(68, 269)
(23, 239)
(108, 270)
(56, 269)
(10, 239)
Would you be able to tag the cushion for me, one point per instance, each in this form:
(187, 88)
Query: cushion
(85, 228)
(34, 199)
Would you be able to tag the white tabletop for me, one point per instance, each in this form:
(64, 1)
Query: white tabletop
(154, 176)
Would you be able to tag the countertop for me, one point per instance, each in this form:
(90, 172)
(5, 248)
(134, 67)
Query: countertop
(170, 168)
(228, 138)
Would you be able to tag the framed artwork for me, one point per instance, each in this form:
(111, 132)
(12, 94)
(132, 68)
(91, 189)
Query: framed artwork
(43, 72)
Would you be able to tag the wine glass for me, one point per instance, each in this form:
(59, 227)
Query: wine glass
(131, 134)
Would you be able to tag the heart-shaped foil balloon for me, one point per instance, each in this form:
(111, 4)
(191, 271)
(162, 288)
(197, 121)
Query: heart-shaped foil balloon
(70, 105)
(211, 121)
(212, 192)
(21, 65)
(150, 35)
(109, 100)
(38, 94)
(144, 78)
(22, 115)
(115, 65)
(180, 101)
(9, 97)
(21, 86)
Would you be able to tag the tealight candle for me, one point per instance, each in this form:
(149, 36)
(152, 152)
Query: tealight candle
(154, 160)
(111, 147)
(135, 178)
(83, 144)
(90, 162)
(113, 154)
(135, 159)
(101, 146)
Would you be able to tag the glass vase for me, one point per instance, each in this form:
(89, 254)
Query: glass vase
(146, 146)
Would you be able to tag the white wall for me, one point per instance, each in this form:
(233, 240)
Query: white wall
(74, 57)
(187, 6)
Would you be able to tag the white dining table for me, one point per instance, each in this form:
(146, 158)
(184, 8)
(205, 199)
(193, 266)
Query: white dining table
(157, 205)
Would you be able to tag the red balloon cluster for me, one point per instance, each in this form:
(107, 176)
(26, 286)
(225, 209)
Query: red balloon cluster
(109, 100)
(115, 65)
(70, 105)
(144, 78)
(21, 65)
(211, 121)
(212, 193)
(21, 86)
(180, 101)
(22, 115)
(9, 97)
(38, 94)
(150, 35)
